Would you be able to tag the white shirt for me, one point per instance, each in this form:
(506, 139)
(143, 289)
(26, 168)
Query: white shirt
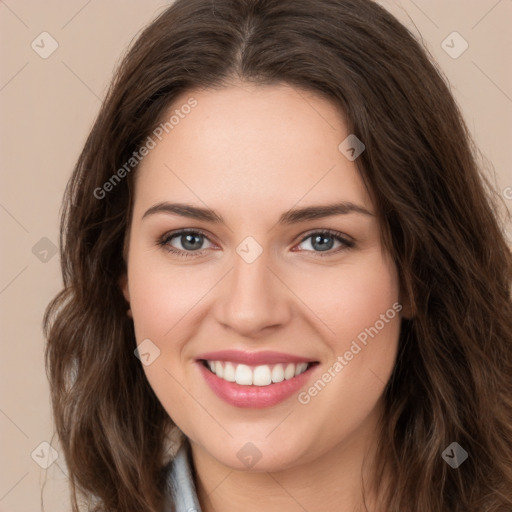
(180, 483)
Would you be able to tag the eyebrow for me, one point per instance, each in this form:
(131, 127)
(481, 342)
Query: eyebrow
(293, 216)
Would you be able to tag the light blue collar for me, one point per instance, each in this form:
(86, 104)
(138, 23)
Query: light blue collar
(180, 483)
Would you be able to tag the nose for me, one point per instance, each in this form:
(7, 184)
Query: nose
(252, 300)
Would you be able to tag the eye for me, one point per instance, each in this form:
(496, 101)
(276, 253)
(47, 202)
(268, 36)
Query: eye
(184, 243)
(189, 242)
(324, 241)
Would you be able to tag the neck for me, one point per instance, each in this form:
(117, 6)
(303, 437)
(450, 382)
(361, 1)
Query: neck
(332, 482)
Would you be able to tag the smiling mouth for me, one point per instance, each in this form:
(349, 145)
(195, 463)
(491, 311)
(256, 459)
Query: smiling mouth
(261, 375)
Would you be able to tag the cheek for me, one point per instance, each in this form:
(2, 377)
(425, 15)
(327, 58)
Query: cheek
(162, 299)
(364, 313)
(161, 295)
(371, 292)
(360, 305)
(351, 298)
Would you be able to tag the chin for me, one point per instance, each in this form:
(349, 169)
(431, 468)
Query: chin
(261, 455)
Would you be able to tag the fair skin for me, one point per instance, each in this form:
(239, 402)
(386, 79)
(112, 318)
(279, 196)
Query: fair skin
(250, 154)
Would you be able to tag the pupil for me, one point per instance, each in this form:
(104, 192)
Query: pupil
(323, 245)
(191, 241)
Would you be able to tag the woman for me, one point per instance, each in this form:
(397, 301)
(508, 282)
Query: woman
(286, 287)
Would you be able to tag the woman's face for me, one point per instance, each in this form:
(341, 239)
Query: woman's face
(267, 282)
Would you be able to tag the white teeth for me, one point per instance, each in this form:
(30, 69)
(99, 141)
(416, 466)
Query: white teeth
(218, 369)
(262, 375)
(243, 375)
(290, 371)
(300, 368)
(278, 373)
(229, 372)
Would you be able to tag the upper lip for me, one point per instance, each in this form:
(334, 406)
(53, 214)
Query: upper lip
(253, 358)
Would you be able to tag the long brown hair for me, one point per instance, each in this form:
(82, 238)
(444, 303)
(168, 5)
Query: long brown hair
(453, 374)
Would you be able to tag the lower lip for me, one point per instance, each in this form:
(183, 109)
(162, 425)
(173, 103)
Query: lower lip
(255, 397)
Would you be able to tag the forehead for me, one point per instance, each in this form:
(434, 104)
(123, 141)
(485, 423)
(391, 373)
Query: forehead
(246, 146)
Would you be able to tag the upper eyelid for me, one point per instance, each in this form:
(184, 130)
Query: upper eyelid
(171, 234)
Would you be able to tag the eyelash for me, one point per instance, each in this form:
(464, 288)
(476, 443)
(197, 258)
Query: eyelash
(164, 242)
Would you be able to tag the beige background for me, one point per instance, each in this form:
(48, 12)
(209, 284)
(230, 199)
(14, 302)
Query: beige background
(47, 107)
